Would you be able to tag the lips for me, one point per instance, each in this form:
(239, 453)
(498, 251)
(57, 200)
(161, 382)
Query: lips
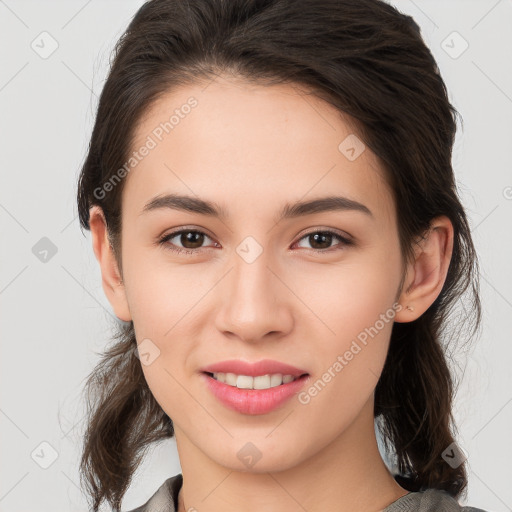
(263, 367)
(254, 401)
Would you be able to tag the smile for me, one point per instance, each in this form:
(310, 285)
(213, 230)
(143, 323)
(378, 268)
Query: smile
(243, 395)
(257, 382)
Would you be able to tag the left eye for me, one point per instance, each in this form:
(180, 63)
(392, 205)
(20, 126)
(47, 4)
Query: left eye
(325, 237)
(196, 238)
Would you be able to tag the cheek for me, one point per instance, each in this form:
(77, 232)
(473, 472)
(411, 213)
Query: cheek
(348, 365)
(159, 293)
(164, 303)
(356, 308)
(346, 297)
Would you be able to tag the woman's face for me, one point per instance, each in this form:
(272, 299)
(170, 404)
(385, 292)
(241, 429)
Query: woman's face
(251, 285)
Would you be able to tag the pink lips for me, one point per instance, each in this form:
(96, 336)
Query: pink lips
(263, 367)
(254, 401)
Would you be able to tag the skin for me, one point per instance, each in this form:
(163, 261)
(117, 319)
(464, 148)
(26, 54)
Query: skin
(251, 149)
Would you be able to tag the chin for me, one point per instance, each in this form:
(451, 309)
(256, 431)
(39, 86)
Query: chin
(256, 458)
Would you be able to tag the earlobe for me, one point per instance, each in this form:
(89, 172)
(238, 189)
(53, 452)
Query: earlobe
(110, 276)
(426, 275)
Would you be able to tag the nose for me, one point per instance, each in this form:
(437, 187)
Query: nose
(255, 303)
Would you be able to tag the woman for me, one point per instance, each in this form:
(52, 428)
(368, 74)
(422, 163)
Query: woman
(272, 204)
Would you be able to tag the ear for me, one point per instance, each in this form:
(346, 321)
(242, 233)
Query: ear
(425, 276)
(110, 276)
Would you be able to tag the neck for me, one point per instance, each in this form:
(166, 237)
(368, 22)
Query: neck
(347, 475)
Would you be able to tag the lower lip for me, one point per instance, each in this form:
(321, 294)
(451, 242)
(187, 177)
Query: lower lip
(254, 401)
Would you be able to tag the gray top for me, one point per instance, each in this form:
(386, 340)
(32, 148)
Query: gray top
(165, 499)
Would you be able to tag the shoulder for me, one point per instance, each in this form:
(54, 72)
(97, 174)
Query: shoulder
(430, 500)
(165, 498)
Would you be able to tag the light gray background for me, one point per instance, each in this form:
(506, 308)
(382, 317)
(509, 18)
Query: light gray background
(54, 316)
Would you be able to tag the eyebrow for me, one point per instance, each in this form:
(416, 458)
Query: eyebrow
(289, 210)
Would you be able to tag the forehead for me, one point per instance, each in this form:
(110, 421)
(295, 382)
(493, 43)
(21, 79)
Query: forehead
(251, 145)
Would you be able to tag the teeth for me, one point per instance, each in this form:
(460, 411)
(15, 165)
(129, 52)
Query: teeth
(248, 382)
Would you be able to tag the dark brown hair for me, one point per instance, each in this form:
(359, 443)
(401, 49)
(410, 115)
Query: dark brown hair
(369, 61)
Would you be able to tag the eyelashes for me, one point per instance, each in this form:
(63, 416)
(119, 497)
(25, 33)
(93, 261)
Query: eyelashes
(164, 241)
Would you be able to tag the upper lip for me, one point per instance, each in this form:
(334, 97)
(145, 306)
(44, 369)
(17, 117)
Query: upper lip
(263, 367)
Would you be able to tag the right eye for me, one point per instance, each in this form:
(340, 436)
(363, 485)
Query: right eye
(189, 237)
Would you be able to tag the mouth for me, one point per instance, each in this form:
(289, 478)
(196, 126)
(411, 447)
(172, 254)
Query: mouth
(262, 382)
(254, 395)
